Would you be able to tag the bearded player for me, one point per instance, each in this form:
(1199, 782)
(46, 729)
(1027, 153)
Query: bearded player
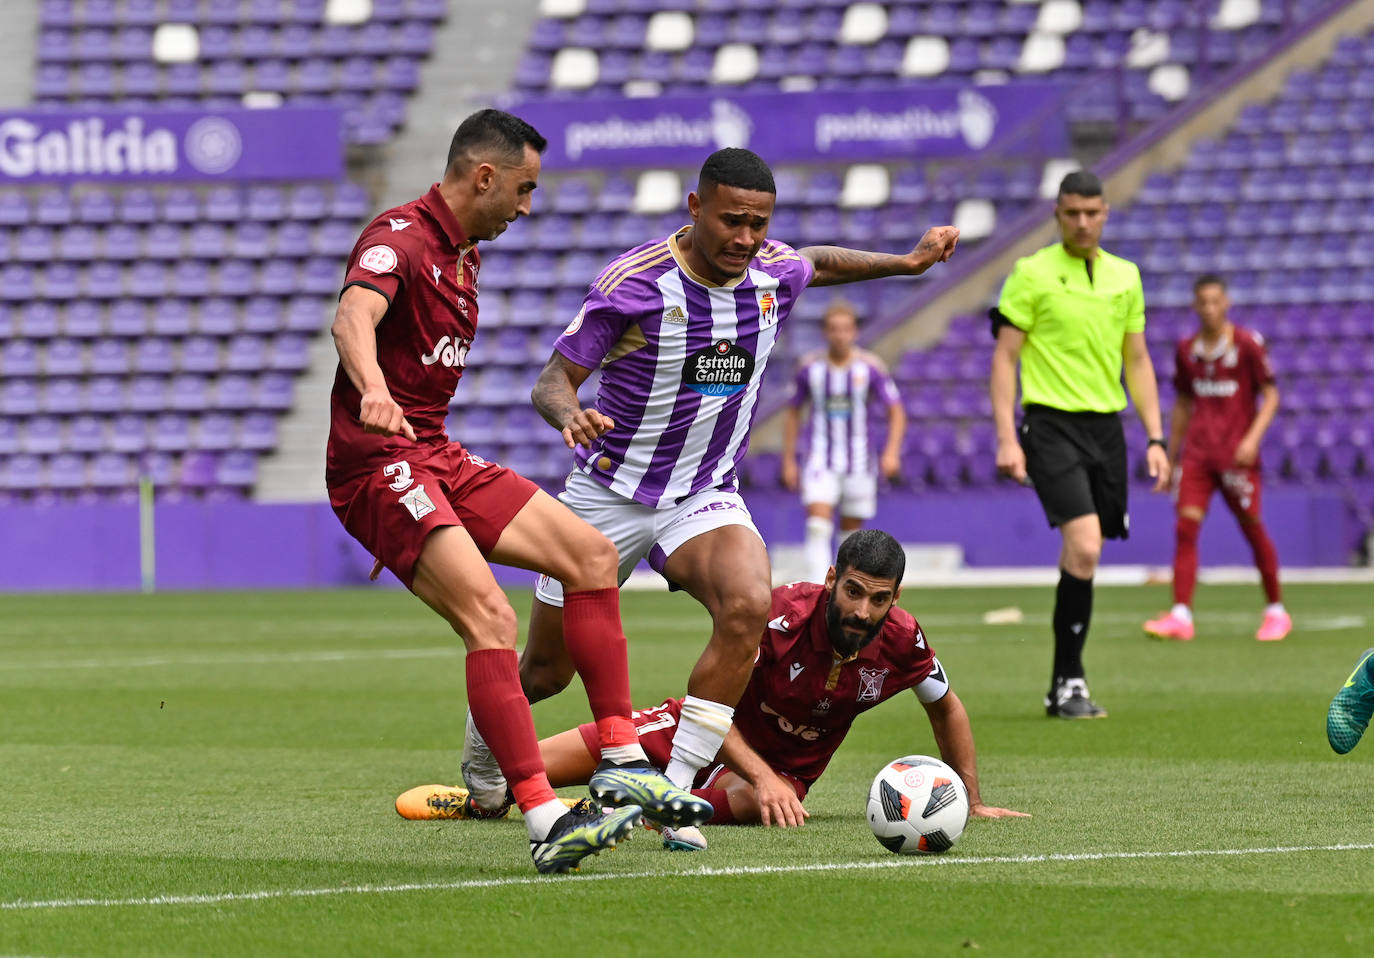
(828, 654)
(1226, 401)
(681, 329)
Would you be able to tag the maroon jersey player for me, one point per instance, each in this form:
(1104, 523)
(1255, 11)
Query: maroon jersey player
(434, 513)
(828, 654)
(1226, 400)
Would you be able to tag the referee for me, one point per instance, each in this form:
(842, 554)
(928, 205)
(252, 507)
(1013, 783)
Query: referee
(1073, 315)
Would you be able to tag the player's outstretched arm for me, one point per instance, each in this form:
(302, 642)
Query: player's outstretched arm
(555, 397)
(837, 264)
(954, 738)
(777, 801)
(355, 337)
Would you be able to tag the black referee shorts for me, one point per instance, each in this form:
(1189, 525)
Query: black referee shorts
(1077, 461)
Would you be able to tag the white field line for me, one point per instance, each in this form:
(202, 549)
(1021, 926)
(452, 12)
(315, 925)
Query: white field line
(887, 863)
(1301, 623)
(261, 658)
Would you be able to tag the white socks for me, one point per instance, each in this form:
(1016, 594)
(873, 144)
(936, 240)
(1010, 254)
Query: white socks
(1274, 608)
(701, 729)
(625, 754)
(1182, 612)
(816, 550)
(541, 818)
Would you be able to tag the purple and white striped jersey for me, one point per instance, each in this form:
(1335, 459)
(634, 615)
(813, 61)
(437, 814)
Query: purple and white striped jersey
(682, 360)
(840, 398)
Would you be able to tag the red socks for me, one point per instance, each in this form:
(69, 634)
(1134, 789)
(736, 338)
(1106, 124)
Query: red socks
(1266, 558)
(502, 714)
(1185, 560)
(595, 641)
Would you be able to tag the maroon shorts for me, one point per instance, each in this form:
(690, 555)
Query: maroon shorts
(1239, 485)
(392, 504)
(656, 727)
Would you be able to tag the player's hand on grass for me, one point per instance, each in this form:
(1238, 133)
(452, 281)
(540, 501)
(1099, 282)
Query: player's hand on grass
(936, 246)
(584, 426)
(1011, 460)
(381, 414)
(1157, 461)
(979, 810)
(789, 474)
(778, 803)
(1247, 451)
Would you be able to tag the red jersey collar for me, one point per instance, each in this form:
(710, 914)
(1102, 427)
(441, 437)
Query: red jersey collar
(820, 634)
(434, 202)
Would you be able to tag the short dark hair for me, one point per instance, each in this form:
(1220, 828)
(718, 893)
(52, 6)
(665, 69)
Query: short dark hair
(1080, 183)
(493, 131)
(872, 552)
(742, 169)
(1208, 279)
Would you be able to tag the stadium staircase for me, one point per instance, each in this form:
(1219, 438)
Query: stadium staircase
(17, 54)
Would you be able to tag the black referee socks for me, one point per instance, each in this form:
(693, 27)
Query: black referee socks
(1073, 612)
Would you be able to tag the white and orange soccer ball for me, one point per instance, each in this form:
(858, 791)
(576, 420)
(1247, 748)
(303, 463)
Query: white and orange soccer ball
(917, 805)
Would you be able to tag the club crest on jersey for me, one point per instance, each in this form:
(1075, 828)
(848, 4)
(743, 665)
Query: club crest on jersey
(418, 502)
(719, 370)
(870, 682)
(768, 309)
(378, 259)
(576, 324)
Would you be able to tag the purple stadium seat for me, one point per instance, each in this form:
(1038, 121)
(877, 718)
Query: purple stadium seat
(78, 244)
(35, 244)
(198, 471)
(277, 277)
(128, 433)
(199, 354)
(245, 353)
(18, 397)
(258, 432)
(128, 318)
(307, 202)
(147, 394)
(235, 277)
(261, 314)
(171, 317)
(110, 470)
(171, 432)
(319, 275)
(289, 352)
(154, 355)
(237, 469)
(307, 315)
(9, 437)
(275, 391)
(190, 278)
(104, 395)
(147, 279)
(86, 433)
(217, 317)
(189, 392)
(19, 357)
(83, 319)
(60, 281)
(349, 201)
(109, 357)
(38, 319)
(333, 238)
(233, 392)
(63, 357)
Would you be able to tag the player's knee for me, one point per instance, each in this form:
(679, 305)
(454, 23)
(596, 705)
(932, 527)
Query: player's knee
(590, 562)
(543, 678)
(486, 622)
(741, 615)
(1187, 528)
(1081, 555)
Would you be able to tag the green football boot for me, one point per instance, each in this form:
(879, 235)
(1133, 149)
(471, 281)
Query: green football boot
(1348, 716)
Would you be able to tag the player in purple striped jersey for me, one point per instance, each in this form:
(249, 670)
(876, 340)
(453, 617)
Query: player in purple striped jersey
(682, 328)
(842, 385)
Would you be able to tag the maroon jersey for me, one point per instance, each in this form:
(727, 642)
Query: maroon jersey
(419, 258)
(1224, 387)
(802, 699)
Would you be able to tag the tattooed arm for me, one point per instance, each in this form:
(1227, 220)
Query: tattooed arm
(555, 398)
(836, 264)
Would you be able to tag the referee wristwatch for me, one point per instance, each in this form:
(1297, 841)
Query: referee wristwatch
(1156, 441)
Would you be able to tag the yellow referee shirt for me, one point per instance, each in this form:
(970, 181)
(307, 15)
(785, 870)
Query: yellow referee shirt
(1075, 327)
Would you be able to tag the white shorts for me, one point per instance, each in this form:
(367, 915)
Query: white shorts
(643, 532)
(855, 493)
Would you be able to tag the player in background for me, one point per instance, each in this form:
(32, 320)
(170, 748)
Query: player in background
(841, 469)
(682, 328)
(1073, 316)
(434, 513)
(1226, 401)
(1349, 712)
(828, 654)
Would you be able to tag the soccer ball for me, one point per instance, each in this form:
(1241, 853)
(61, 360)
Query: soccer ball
(917, 805)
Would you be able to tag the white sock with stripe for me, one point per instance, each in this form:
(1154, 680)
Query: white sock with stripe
(701, 729)
(816, 549)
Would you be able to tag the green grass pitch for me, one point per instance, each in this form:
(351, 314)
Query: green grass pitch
(214, 775)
